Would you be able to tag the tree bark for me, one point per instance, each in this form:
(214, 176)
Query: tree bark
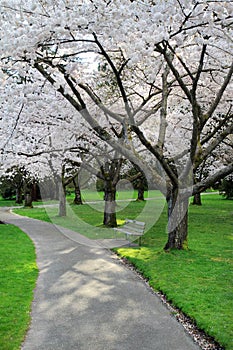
(34, 192)
(19, 195)
(177, 221)
(140, 194)
(62, 200)
(110, 204)
(197, 199)
(28, 196)
(78, 197)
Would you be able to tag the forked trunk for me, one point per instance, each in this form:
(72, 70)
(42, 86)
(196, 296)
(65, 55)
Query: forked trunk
(177, 222)
(110, 205)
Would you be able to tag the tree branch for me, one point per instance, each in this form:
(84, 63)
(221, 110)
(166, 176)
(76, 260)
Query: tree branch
(220, 93)
(215, 142)
(212, 179)
(118, 78)
(99, 103)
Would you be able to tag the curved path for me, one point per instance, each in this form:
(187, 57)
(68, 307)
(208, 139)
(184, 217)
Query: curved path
(86, 299)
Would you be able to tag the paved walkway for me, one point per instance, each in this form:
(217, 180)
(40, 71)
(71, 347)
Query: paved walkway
(86, 299)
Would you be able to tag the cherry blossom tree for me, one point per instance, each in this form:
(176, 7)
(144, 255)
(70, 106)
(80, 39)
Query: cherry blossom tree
(164, 80)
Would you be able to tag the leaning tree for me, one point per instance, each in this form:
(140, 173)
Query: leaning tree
(159, 72)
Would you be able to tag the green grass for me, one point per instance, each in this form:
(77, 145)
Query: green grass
(7, 203)
(198, 281)
(87, 219)
(87, 195)
(18, 274)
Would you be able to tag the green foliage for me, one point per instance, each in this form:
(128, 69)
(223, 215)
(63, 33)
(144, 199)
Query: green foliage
(7, 202)
(99, 185)
(7, 190)
(17, 280)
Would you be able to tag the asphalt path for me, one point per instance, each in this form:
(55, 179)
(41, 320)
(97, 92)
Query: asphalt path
(86, 299)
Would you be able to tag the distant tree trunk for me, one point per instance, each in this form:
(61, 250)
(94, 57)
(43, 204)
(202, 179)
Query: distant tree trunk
(140, 192)
(19, 195)
(28, 196)
(77, 198)
(110, 204)
(62, 200)
(34, 192)
(54, 189)
(177, 221)
(197, 199)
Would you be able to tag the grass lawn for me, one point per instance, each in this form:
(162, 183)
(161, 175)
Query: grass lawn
(8, 203)
(18, 274)
(199, 280)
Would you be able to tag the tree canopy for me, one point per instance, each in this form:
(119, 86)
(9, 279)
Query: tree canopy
(153, 79)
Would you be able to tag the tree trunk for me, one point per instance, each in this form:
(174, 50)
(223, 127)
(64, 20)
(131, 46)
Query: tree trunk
(78, 197)
(28, 196)
(177, 222)
(197, 199)
(140, 194)
(19, 196)
(110, 204)
(62, 200)
(54, 189)
(34, 192)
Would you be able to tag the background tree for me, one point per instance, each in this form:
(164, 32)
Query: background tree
(226, 188)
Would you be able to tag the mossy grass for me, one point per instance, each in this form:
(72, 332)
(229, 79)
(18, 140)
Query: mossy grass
(197, 280)
(18, 274)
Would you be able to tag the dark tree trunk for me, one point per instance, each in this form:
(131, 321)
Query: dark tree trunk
(77, 191)
(34, 192)
(28, 196)
(177, 221)
(19, 196)
(110, 204)
(197, 199)
(110, 174)
(62, 200)
(140, 193)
